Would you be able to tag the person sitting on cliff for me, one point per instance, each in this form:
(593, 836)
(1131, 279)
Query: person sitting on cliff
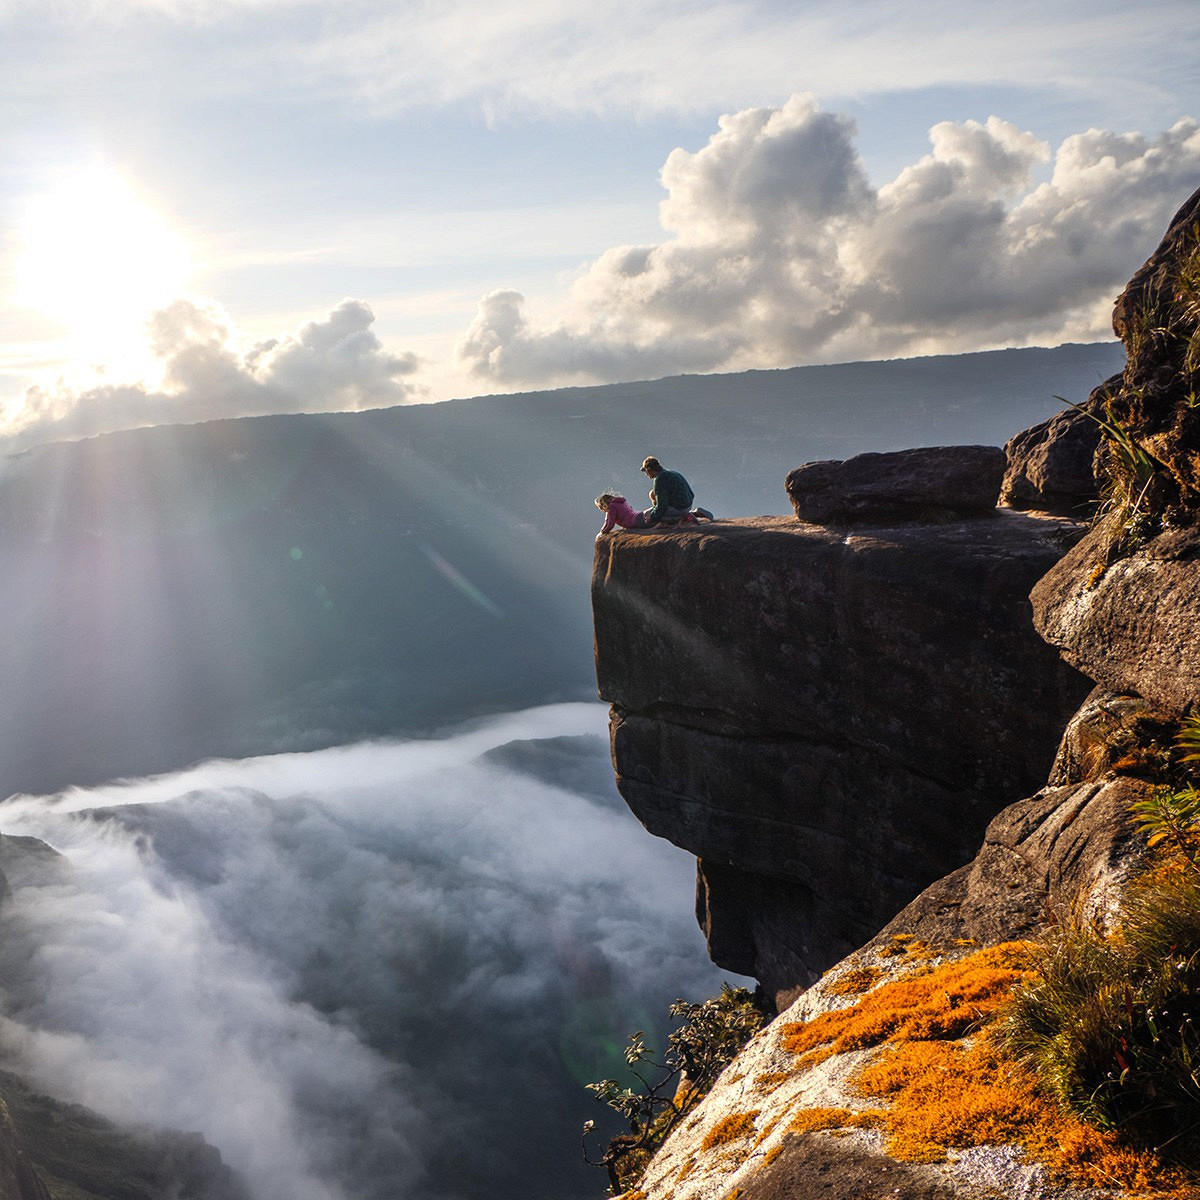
(671, 496)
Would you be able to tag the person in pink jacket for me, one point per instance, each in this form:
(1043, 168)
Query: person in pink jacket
(618, 511)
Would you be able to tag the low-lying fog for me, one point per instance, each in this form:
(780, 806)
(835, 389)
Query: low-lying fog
(364, 973)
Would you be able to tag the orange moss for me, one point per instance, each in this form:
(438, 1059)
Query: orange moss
(686, 1169)
(904, 944)
(854, 982)
(808, 1120)
(768, 1081)
(810, 1058)
(730, 1129)
(772, 1154)
(944, 1095)
(944, 1003)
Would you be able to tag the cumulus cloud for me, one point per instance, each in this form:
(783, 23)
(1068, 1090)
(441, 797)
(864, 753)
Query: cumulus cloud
(368, 972)
(335, 363)
(780, 251)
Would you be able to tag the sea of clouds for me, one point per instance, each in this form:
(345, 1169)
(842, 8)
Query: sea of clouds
(373, 971)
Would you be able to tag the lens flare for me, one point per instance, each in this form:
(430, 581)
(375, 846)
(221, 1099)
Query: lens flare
(461, 582)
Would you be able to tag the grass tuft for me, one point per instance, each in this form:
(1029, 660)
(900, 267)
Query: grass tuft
(1112, 1025)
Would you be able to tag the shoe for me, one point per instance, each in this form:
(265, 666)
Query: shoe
(703, 512)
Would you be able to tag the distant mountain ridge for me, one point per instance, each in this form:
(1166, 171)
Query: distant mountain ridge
(288, 582)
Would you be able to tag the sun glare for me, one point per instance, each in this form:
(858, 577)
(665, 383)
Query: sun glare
(97, 259)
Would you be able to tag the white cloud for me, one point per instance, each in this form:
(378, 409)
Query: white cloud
(336, 363)
(782, 253)
(365, 972)
(647, 56)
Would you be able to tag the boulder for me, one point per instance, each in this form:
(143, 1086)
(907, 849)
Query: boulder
(932, 483)
(1129, 625)
(827, 719)
(1064, 848)
(1111, 733)
(1049, 467)
(775, 1127)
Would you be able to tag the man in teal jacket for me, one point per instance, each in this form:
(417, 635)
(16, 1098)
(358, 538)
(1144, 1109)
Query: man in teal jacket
(671, 495)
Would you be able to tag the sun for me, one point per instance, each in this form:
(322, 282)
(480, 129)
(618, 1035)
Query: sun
(96, 259)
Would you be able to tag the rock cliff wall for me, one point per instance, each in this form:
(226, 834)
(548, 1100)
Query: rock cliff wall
(828, 717)
(1122, 606)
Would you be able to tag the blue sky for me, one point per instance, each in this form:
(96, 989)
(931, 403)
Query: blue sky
(214, 207)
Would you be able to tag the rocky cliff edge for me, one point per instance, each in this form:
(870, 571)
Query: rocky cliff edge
(812, 708)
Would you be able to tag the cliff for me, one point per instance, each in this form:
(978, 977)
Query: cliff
(828, 717)
(826, 713)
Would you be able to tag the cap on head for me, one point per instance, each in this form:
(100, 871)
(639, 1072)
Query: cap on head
(651, 464)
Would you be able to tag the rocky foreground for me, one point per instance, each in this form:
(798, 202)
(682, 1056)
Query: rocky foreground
(913, 709)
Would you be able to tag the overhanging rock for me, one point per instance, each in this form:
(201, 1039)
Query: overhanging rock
(834, 718)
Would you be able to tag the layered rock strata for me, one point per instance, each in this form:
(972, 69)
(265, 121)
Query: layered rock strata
(827, 719)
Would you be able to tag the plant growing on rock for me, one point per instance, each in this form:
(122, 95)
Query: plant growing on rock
(1128, 500)
(1170, 817)
(1111, 1023)
(698, 1050)
(1187, 298)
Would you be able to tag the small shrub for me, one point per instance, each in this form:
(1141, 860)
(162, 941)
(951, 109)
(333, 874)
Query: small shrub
(698, 1050)
(1128, 504)
(1171, 819)
(1187, 740)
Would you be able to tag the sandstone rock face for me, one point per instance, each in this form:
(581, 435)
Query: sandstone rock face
(1157, 317)
(935, 482)
(1131, 625)
(827, 720)
(1063, 848)
(1110, 732)
(1050, 466)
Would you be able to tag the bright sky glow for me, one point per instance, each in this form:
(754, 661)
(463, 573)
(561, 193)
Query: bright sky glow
(97, 260)
(374, 203)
